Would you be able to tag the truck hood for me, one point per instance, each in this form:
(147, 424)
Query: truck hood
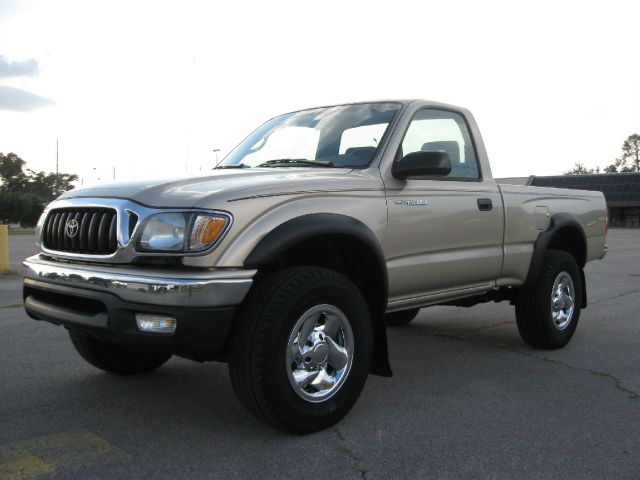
(221, 186)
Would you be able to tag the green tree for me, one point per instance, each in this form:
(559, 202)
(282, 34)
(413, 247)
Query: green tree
(24, 194)
(631, 151)
(48, 185)
(619, 165)
(23, 208)
(580, 169)
(12, 173)
(10, 204)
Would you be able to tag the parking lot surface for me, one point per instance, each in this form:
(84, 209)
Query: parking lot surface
(468, 399)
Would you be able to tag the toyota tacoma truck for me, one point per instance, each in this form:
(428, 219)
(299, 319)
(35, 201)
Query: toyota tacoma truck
(290, 258)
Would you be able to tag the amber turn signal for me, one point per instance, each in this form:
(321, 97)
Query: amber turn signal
(206, 230)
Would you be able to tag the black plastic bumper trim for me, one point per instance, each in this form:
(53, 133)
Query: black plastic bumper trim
(200, 332)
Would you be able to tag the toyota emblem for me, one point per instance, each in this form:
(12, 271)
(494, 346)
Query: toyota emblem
(72, 228)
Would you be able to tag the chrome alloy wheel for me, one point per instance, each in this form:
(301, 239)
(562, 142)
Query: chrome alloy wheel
(562, 301)
(319, 353)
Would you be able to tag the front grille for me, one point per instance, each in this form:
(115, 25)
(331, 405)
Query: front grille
(93, 232)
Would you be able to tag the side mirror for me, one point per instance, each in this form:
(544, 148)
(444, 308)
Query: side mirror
(422, 164)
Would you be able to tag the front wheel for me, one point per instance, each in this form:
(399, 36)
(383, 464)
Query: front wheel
(547, 311)
(299, 355)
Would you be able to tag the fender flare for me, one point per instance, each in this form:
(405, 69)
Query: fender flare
(308, 226)
(305, 227)
(541, 245)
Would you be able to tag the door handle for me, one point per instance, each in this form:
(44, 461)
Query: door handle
(485, 204)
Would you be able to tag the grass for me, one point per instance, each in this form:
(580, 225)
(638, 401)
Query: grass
(22, 231)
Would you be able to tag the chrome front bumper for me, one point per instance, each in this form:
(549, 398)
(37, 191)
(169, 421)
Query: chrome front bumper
(177, 288)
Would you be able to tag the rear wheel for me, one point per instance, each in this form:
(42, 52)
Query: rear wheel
(113, 359)
(547, 311)
(400, 319)
(300, 352)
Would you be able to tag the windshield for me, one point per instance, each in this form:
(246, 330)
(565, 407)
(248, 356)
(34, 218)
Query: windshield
(344, 136)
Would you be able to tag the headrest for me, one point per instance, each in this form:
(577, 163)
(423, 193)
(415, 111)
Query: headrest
(449, 146)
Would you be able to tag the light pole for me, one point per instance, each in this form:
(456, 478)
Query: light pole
(216, 151)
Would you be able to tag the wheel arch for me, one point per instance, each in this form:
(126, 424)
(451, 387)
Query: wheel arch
(341, 243)
(563, 233)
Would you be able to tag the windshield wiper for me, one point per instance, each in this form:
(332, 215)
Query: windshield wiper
(239, 165)
(296, 161)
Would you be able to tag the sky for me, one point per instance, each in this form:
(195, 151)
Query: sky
(150, 88)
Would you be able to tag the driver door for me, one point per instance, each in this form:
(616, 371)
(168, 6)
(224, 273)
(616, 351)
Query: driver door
(444, 232)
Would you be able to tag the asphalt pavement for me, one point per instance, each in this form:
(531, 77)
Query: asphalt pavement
(468, 400)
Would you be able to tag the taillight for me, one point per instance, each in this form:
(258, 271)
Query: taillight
(606, 222)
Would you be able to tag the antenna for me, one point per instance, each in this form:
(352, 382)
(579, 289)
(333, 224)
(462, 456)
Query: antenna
(57, 176)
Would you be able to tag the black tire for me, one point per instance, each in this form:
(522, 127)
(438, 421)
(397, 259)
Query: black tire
(400, 319)
(113, 359)
(260, 340)
(534, 305)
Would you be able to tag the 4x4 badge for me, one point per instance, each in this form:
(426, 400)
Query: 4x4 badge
(72, 228)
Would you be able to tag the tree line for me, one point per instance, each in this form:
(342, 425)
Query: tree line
(629, 161)
(24, 193)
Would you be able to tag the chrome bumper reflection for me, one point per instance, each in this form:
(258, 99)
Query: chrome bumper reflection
(143, 285)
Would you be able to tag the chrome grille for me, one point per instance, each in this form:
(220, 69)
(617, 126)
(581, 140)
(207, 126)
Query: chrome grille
(93, 232)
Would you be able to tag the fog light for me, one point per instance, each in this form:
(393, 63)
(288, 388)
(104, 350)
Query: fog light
(156, 323)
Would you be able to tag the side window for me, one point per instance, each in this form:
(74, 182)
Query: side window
(433, 129)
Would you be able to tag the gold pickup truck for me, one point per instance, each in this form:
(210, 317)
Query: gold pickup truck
(290, 258)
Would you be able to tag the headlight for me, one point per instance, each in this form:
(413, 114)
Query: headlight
(181, 232)
(164, 232)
